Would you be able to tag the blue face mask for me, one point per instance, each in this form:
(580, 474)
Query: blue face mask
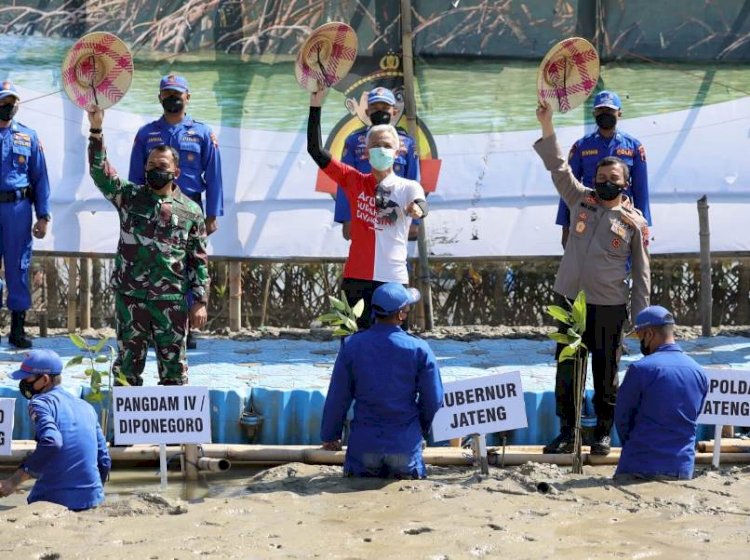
(382, 158)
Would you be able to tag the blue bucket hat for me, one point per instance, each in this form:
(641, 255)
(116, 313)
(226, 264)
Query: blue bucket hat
(174, 82)
(7, 88)
(392, 296)
(39, 362)
(653, 316)
(381, 95)
(607, 99)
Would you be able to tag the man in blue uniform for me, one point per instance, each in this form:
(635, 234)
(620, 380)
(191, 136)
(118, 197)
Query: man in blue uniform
(23, 183)
(658, 403)
(71, 461)
(607, 140)
(394, 381)
(381, 109)
(200, 163)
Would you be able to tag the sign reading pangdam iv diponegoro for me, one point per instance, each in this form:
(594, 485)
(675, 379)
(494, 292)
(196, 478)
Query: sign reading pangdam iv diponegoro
(7, 407)
(481, 406)
(728, 399)
(161, 415)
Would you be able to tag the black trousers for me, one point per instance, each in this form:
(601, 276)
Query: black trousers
(356, 289)
(604, 325)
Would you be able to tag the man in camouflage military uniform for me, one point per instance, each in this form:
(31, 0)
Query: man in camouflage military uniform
(160, 257)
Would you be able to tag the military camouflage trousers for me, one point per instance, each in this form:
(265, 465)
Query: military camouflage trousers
(138, 320)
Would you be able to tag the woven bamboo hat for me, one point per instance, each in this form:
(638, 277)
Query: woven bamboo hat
(568, 74)
(326, 56)
(98, 69)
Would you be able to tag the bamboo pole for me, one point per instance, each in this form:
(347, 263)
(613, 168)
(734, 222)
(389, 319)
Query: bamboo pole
(410, 99)
(705, 244)
(728, 445)
(72, 293)
(235, 296)
(190, 461)
(85, 293)
(266, 292)
(311, 454)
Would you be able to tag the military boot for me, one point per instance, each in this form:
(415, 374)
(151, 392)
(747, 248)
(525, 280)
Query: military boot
(17, 334)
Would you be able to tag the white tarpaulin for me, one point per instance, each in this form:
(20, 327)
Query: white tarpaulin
(493, 198)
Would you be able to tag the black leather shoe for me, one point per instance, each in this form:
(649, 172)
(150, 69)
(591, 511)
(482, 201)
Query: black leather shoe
(563, 443)
(602, 446)
(190, 342)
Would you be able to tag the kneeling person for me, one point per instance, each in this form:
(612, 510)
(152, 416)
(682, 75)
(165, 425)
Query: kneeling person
(658, 403)
(394, 380)
(71, 461)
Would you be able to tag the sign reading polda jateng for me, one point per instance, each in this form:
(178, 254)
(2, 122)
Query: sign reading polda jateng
(155, 415)
(481, 406)
(728, 400)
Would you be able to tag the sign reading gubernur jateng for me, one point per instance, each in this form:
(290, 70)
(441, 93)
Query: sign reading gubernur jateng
(161, 415)
(728, 400)
(481, 406)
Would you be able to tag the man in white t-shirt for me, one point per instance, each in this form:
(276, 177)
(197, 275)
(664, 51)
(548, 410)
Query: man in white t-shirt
(382, 205)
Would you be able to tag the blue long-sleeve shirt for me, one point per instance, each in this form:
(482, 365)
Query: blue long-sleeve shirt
(394, 381)
(405, 165)
(656, 413)
(23, 164)
(71, 461)
(200, 162)
(586, 153)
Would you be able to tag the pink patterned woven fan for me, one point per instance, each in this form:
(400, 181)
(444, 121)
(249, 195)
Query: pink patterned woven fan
(568, 74)
(326, 57)
(98, 69)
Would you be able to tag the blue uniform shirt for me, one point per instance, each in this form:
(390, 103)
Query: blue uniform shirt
(23, 165)
(200, 163)
(586, 153)
(394, 381)
(656, 413)
(406, 165)
(71, 460)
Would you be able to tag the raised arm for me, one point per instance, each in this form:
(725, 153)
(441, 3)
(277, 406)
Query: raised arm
(314, 138)
(104, 175)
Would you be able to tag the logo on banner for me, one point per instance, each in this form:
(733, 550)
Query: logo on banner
(481, 406)
(367, 74)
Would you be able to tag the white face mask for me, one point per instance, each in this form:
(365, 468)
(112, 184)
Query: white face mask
(382, 158)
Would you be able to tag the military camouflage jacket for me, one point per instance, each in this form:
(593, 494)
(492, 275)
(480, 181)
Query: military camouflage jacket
(162, 249)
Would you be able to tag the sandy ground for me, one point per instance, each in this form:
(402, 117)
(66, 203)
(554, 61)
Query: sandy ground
(303, 511)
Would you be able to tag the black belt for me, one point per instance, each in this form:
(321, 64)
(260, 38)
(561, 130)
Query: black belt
(15, 195)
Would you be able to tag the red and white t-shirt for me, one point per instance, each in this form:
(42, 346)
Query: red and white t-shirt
(380, 225)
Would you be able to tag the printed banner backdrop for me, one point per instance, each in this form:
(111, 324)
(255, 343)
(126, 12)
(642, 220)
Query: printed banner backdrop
(492, 196)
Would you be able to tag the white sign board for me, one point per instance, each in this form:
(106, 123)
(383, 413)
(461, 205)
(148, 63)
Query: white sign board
(7, 408)
(164, 415)
(481, 405)
(728, 399)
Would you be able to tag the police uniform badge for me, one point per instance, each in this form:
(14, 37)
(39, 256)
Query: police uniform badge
(616, 242)
(21, 159)
(580, 227)
(214, 139)
(583, 216)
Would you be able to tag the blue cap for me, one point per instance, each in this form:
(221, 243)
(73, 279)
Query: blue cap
(172, 81)
(39, 362)
(653, 316)
(7, 88)
(392, 296)
(607, 99)
(381, 95)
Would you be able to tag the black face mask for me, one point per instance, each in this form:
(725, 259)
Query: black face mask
(644, 348)
(380, 117)
(27, 388)
(7, 112)
(173, 104)
(158, 178)
(606, 120)
(607, 190)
